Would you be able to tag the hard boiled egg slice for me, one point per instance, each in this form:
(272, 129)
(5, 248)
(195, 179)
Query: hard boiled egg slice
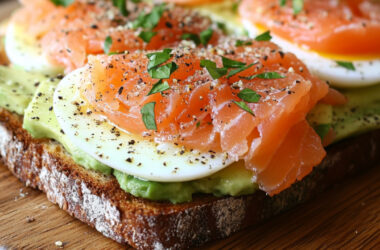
(131, 154)
(367, 72)
(24, 51)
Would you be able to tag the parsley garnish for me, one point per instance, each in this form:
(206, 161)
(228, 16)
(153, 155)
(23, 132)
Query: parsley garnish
(164, 71)
(297, 6)
(322, 130)
(249, 95)
(107, 45)
(159, 87)
(198, 124)
(215, 72)
(205, 36)
(266, 75)
(244, 107)
(228, 63)
(347, 65)
(222, 27)
(235, 71)
(158, 58)
(122, 6)
(64, 3)
(148, 116)
(149, 20)
(264, 36)
(192, 37)
(242, 43)
(146, 36)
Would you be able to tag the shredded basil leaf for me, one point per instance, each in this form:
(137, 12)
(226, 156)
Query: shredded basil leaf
(205, 36)
(242, 43)
(158, 58)
(235, 71)
(266, 75)
(249, 95)
(347, 65)
(264, 36)
(148, 116)
(229, 63)
(192, 37)
(107, 45)
(282, 2)
(322, 130)
(122, 6)
(297, 6)
(164, 71)
(215, 72)
(235, 6)
(159, 87)
(198, 124)
(244, 107)
(146, 36)
(64, 3)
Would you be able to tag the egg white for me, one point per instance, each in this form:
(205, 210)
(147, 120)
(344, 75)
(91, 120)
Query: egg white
(367, 71)
(23, 51)
(131, 154)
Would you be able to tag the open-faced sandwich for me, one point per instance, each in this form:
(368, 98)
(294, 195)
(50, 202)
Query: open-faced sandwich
(166, 127)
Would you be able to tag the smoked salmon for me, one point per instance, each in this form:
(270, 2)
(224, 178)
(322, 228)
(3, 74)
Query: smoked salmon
(68, 34)
(248, 100)
(347, 27)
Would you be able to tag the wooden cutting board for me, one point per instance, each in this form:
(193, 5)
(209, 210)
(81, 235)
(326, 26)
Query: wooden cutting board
(347, 216)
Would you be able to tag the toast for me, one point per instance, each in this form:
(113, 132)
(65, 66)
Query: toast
(97, 199)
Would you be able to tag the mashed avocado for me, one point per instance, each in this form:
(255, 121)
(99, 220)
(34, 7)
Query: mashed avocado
(17, 88)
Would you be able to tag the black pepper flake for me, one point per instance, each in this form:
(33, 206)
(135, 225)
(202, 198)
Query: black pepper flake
(39, 94)
(94, 26)
(50, 108)
(131, 142)
(63, 132)
(129, 160)
(60, 97)
(169, 25)
(121, 90)
(60, 77)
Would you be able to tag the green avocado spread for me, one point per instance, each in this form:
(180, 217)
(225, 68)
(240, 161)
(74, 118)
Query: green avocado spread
(31, 94)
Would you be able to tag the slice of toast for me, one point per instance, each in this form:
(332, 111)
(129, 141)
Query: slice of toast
(98, 200)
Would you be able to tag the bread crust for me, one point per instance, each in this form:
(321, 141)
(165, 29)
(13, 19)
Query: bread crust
(97, 199)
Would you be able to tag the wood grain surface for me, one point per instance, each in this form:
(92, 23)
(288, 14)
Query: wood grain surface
(347, 216)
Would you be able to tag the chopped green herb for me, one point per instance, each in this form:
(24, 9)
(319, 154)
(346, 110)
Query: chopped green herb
(164, 71)
(347, 65)
(146, 36)
(215, 72)
(249, 95)
(244, 107)
(282, 2)
(238, 70)
(148, 116)
(136, 1)
(229, 63)
(264, 36)
(297, 6)
(235, 6)
(192, 37)
(198, 124)
(107, 45)
(122, 6)
(222, 27)
(322, 130)
(266, 75)
(159, 87)
(64, 3)
(242, 43)
(149, 20)
(158, 58)
(205, 36)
